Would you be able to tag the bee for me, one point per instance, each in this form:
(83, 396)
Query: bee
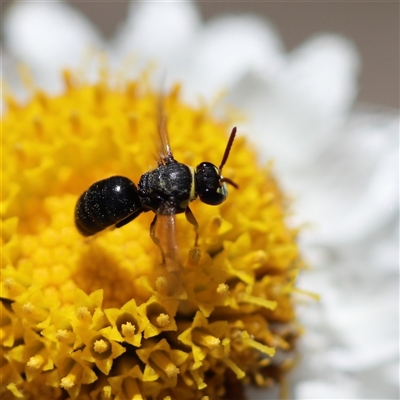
(167, 190)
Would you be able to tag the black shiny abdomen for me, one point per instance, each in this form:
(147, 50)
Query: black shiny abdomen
(166, 189)
(107, 202)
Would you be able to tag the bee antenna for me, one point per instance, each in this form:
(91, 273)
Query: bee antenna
(230, 181)
(228, 148)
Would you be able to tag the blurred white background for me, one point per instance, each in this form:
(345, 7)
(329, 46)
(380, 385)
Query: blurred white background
(372, 26)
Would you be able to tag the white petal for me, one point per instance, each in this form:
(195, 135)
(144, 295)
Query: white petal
(365, 328)
(296, 116)
(321, 75)
(255, 393)
(331, 388)
(391, 374)
(160, 32)
(231, 47)
(205, 60)
(353, 329)
(354, 190)
(383, 253)
(11, 78)
(48, 36)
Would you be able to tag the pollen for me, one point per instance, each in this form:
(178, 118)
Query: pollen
(223, 289)
(83, 314)
(67, 383)
(163, 320)
(162, 284)
(62, 335)
(28, 308)
(204, 339)
(128, 330)
(35, 362)
(102, 317)
(100, 346)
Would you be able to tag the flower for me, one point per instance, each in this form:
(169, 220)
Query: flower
(104, 316)
(338, 160)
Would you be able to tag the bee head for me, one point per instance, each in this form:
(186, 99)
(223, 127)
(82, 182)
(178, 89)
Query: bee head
(210, 184)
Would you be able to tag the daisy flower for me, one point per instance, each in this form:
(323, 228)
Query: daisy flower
(97, 319)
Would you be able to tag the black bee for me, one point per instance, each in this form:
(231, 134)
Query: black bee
(166, 190)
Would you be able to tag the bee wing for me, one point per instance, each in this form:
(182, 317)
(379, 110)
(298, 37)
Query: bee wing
(164, 232)
(164, 145)
(165, 151)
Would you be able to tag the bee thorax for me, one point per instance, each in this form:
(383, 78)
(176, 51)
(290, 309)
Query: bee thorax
(168, 188)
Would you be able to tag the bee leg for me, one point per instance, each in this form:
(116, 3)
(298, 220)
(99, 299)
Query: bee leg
(194, 254)
(155, 239)
(192, 220)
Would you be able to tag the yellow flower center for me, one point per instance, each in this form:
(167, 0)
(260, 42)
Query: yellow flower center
(101, 316)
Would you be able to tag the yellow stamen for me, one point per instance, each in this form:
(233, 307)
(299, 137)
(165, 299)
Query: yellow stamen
(239, 373)
(28, 308)
(315, 296)
(128, 329)
(201, 338)
(163, 320)
(223, 289)
(256, 345)
(164, 363)
(162, 285)
(10, 285)
(258, 301)
(35, 362)
(100, 346)
(12, 387)
(62, 335)
(69, 381)
(131, 389)
(83, 314)
(226, 344)
(106, 392)
(199, 382)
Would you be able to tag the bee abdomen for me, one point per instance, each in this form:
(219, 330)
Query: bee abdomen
(106, 203)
